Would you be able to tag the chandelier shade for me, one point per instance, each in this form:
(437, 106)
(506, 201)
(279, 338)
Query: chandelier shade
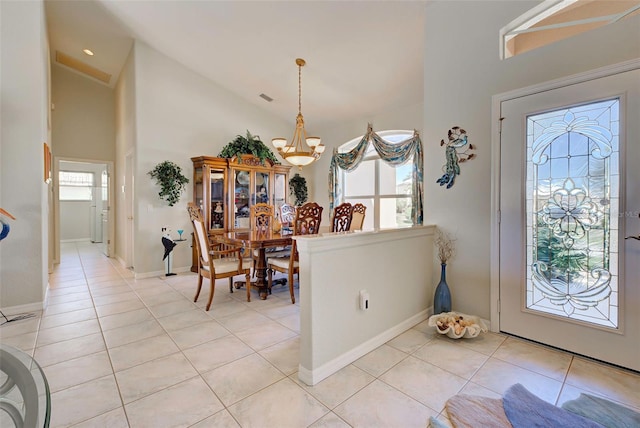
(295, 152)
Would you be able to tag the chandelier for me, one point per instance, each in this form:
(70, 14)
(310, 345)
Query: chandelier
(295, 152)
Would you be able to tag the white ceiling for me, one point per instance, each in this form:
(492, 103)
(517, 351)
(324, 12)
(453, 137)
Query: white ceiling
(360, 55)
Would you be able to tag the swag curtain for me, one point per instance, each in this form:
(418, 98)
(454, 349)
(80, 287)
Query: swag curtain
(394, 154)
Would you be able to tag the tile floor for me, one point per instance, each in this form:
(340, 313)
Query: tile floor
(120, 352)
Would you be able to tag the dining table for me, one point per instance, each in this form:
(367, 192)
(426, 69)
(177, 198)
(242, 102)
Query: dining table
(260, 240)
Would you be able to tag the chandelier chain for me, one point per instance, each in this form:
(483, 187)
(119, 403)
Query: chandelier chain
(299, 89)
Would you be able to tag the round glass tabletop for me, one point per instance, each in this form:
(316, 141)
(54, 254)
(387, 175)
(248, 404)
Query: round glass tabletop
(25, 399)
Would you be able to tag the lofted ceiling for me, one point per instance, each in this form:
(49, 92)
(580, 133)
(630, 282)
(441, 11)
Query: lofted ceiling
(361, 55)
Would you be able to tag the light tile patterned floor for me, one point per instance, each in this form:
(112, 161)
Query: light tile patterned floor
(120, 352)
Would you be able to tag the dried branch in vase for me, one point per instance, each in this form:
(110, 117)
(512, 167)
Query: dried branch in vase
(445, 244)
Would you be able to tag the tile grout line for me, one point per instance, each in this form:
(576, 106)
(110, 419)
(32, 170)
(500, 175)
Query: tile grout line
(106, 347)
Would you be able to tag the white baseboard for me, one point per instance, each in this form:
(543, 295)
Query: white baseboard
(154, 274)
(157, 273)
(75, 240)
(45, 302)
(121, 261)
(123, 264)
(21, 309)
(312, 377)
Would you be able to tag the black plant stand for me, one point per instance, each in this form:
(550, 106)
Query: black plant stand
(168, 259)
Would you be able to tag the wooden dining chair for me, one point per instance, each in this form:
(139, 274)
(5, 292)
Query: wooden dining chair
(215, 260)
(341, 217)
(261, 217)
(357, 218)
(287, 215)
(262, 221)
(306, 222)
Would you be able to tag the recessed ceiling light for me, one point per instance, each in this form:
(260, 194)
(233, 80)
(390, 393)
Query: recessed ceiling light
(88, 52)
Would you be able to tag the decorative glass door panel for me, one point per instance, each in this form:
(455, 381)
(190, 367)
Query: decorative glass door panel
(572, 203)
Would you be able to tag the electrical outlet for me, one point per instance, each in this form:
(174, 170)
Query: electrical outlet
(364, 300)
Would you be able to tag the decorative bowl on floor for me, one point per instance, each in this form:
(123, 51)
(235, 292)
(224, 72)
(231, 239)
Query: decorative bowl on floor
(457, 325)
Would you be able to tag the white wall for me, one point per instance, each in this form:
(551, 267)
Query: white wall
(75, 220)
(462, 73)
(389, 265)
(179, 114)
(83, 121)
(23, 104)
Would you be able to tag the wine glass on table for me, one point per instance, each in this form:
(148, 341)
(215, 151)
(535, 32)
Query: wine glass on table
(180, 233)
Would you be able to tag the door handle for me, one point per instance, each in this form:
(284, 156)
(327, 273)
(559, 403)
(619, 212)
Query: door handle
(634, 237)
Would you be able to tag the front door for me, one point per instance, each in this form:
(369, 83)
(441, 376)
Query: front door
(569, 194)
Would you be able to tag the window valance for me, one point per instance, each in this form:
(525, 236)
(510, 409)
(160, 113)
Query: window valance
(392, 153)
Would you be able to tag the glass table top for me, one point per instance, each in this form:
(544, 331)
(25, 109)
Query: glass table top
(25, 399)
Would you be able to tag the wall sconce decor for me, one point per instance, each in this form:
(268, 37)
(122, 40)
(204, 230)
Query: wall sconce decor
(457, 150)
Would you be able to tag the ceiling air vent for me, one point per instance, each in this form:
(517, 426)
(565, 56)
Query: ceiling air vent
(83, 68)
(266, 97)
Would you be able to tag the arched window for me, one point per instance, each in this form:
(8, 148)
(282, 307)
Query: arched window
(390, 188)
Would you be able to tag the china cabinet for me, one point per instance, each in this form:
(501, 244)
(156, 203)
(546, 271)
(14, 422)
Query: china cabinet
(226, 189)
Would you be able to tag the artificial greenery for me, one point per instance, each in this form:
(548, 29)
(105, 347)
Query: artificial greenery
(249, 145)
(169, 176)
(298, 189)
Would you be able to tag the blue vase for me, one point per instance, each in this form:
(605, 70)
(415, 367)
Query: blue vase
(442, 296)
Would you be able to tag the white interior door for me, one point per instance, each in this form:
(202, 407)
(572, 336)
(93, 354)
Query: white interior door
(128, 189)
(105, 207)
(569, 192)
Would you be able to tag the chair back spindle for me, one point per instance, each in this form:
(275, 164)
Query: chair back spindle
(308, 218)
(341, 217)
(357, 218)
(262, 217)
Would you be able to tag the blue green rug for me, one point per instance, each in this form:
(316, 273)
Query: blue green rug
(519, 408)
(605, 412)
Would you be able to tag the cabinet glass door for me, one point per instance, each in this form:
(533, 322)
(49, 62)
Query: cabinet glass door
(262, 187)
(217, 204)
(242, 198)
(198, 192)
(279, 190)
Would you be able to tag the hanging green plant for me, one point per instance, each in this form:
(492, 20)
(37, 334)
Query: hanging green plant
(249, 145)
(298, 189)
(169, 176)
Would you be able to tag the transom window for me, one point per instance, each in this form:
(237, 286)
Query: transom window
(554, 20)
(385, 190)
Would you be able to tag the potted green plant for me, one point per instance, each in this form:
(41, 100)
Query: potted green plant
(169, 176)
(248, 145)
(298, 189)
